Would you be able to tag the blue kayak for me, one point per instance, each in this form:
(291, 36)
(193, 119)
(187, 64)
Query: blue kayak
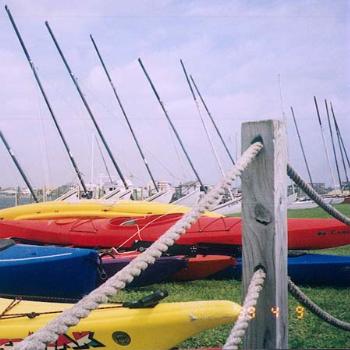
(46, 271)
(50, 272)
(307, 269)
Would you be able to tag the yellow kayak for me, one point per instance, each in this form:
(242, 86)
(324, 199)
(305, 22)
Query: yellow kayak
(113, 327)
(92, 209)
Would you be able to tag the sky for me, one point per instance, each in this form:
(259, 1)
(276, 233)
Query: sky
(251, 60)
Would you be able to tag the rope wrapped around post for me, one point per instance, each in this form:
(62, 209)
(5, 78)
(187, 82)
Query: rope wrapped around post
(316, 197)
(72, 316)
(250, 301)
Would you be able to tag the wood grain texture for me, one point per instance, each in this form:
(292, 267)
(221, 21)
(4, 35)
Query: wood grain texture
(265, 241)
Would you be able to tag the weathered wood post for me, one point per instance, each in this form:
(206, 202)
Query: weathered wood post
(265, 240)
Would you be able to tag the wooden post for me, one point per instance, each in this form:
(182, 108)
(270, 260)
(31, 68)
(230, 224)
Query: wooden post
(265, 240)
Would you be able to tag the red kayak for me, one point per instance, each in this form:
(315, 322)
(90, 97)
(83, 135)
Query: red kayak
(203, 266)
(124, 232)
(175, 268)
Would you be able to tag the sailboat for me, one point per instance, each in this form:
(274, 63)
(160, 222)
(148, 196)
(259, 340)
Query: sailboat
(231, 204)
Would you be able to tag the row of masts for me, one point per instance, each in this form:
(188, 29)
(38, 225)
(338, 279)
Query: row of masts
(341, 145)
(98, 129)
(195, 93)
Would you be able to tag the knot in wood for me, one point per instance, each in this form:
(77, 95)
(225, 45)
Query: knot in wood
(262, 214)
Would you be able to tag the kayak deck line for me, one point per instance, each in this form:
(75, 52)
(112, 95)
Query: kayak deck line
(36, 257)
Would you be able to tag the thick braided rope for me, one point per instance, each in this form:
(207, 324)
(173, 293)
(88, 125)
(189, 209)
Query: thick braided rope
(316, 197)
(315, 309)
(72, 316)
(250, 301)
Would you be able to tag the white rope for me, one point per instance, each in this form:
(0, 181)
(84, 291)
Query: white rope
(72, 316)
(241, 325)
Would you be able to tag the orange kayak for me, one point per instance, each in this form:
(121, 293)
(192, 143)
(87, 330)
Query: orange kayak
(203, 266)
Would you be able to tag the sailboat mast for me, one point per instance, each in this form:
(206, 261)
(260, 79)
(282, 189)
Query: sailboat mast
(342, 153)
(87, 106)
(124, 114)
(324, 142)
(202, 120)
(341, 137)
(41, 88)
(172, 126)
(213, 121)
(301, 146)
(19, 168)
(333, 146)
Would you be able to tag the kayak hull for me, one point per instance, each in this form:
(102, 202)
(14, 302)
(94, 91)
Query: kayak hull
(312, 269)
(123, 232)
(203, 266)
(159, 328)
(91, 209)
(162, 270)
(53, 272)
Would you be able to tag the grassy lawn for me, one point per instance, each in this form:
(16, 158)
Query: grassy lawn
(309, 332)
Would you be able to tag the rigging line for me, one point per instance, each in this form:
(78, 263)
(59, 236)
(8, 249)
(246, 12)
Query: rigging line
(341, 150)
(342, 155)
(172, 126)
(124, 114)
(104, 160)
(41, 88)
(107, 109)
(76, 84)
(333, 146)
(78, 113)
(43, 146)
(341, 137)
(301, 145)
(164, 166)
(185, 175)
(216, 156)
(212, 120)
(324, 142)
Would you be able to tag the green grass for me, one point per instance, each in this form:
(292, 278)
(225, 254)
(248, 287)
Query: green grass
(317, 212)
(310, 332)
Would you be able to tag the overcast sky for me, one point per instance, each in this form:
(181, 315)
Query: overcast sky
(236, 50)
